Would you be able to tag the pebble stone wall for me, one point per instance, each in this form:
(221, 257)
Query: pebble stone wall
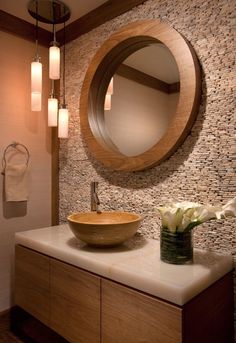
(203, 168)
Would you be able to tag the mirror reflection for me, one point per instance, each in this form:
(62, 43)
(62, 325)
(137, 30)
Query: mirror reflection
(141, 99)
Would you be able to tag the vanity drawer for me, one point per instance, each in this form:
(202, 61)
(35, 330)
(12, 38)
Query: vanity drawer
(32, 286)
(75, 303)
(131, 316)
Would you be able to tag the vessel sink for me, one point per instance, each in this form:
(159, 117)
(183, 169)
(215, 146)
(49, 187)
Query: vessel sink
(104, 229)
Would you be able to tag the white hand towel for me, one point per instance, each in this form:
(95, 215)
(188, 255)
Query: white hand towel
(16, 182)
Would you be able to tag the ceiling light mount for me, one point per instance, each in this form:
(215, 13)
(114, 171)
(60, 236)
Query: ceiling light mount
(49, 12)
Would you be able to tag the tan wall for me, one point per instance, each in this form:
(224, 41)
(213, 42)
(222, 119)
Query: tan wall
(139, 115)
(18, 123)
(203, 168)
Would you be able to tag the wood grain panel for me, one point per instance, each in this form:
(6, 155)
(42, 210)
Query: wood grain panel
(75, 303)
(85, 308)
(132, 317)
(32, 291)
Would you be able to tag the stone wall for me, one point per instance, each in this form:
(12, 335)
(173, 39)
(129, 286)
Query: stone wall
(202, 169)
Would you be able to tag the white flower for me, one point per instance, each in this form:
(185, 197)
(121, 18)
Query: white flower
(186, 215)
(228, 210)
(169, 217)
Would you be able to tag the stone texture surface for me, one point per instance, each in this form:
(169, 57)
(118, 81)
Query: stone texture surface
(203, 168)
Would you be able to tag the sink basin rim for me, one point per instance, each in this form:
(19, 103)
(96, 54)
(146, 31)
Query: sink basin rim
(80, 217)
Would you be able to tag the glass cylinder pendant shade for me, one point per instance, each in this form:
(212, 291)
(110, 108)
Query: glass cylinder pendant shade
(36, 101)
(107, 104)
(36, 77)
(63, 122)
(54, 62)
(52, 111)
(36, 85)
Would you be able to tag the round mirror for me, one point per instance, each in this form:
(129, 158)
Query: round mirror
(140, 96)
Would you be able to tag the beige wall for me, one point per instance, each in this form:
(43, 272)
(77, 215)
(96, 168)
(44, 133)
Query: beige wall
(139, 115)
(18, 123)
(203, 168)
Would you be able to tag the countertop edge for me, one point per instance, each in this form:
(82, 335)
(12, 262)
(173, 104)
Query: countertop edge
(119, 274)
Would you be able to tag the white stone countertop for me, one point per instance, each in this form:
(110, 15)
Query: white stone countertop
(136, 263)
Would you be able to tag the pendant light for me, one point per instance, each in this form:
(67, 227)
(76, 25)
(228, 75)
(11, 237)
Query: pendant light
(63, 118)
(36, 101)
(54, 73)
(49, 12)
(52, 108)
(36, 75)
(54, 58)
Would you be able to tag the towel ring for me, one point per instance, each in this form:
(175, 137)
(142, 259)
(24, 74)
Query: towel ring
(14, 145)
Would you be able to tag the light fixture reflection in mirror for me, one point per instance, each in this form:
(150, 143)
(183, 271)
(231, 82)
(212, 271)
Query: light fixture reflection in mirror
(107, 102)
(145, 99)
(110, 87)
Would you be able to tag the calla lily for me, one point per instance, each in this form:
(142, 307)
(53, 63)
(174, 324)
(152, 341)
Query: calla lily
(182, 216)
(168, 216)
(228, 210)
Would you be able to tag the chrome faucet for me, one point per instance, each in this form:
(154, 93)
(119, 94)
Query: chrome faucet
(95, 202)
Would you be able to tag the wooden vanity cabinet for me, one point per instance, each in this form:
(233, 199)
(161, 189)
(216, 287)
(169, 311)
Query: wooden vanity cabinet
(85, 308)
(32, 283)
(75, 303)
(65, 298)
(133, 317)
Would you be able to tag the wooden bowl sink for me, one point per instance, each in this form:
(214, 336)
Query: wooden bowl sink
(104, 229)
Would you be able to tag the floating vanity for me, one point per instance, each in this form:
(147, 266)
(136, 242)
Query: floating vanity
(122, 294)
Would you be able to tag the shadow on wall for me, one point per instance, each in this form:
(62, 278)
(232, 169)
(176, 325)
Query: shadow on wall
(149, 177)
(12, 209)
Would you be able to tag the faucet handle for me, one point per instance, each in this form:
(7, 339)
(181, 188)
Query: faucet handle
(94, 185)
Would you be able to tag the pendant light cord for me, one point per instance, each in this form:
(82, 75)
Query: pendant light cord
(36, 32)
(54, 20)
(64, 65)
(53, 90)
(54, 33)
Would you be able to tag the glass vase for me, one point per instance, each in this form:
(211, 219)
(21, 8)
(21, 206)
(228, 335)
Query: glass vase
(176, 247)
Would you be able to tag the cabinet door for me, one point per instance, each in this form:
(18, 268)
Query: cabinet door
(32, 291)
(75, 303)
(132, 317)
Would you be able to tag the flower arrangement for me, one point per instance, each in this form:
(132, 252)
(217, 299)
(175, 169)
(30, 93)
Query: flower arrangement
(184, 216)
(178, 220)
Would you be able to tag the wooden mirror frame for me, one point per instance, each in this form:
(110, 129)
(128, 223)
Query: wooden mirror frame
(102, 67)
